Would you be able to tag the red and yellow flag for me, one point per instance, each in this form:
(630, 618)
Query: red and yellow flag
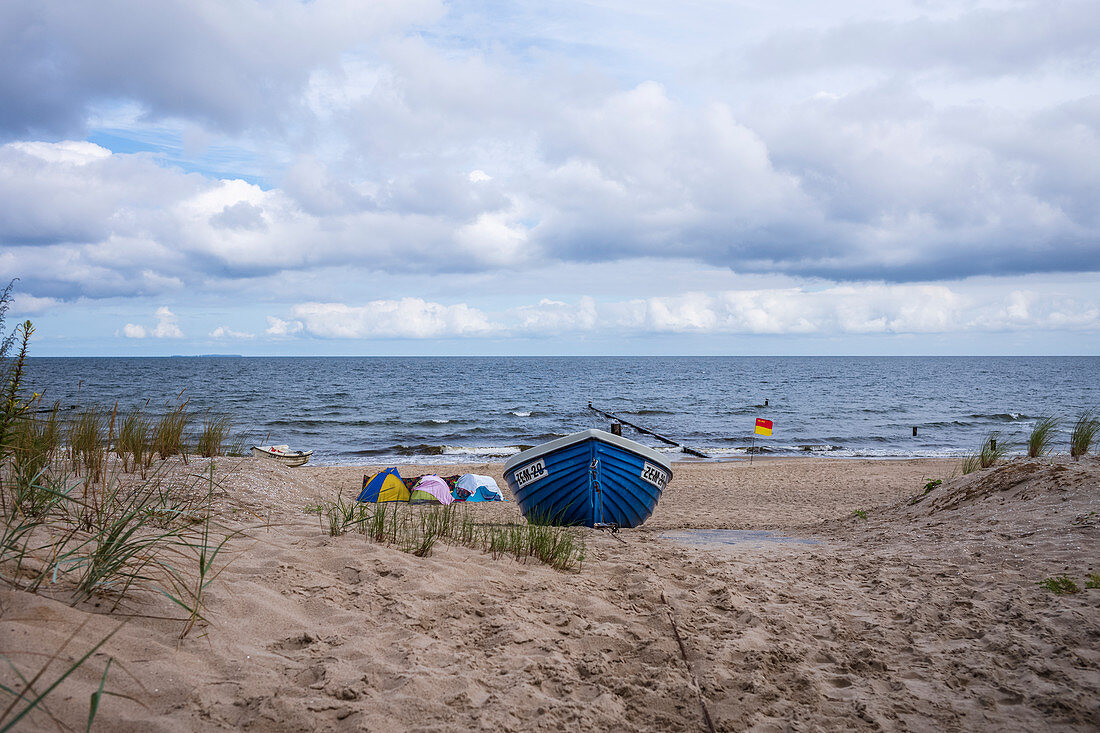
(763, 427)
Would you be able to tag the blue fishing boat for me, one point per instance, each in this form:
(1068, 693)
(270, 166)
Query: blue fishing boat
(590, 478)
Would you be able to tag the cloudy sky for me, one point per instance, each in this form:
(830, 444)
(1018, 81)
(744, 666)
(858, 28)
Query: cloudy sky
(606, 177)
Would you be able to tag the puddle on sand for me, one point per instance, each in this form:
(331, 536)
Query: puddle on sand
(728, 538)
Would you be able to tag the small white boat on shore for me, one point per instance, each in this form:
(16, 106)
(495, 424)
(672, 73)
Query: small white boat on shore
(283, 454)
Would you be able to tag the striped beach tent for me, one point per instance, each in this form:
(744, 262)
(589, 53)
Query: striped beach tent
(384, 486)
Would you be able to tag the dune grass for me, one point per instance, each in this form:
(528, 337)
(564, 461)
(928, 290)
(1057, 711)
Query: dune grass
(1084, 432)
(993, 448)
(1041, 439)
(71, 529)
(76, 528)
(168, 432)
(134, 445)
(215, 431)
(33, 444)
(88, 441)
(416, 528)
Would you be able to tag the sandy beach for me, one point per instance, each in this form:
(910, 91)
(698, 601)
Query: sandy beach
(872, 606)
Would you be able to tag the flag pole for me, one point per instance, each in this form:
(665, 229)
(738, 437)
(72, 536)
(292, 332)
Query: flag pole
(753, 448)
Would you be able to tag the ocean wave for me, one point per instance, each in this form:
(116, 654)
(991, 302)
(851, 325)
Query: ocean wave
(1001, 416)
(421, 449)
(520, 413)
(486, 451)
(360, 423)
(820, 448)
(429, 449)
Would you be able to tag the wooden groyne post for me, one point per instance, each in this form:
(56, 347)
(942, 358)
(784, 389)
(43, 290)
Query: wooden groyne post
(640, 429)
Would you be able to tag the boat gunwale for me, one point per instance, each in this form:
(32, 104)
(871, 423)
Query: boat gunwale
(557, 444)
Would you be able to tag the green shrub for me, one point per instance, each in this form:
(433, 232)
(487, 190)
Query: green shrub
(1060, 584)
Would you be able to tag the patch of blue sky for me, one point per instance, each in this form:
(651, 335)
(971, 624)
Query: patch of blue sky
(168, 148)
(537, 36)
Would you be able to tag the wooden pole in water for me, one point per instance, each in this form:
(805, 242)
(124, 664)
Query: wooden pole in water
(914, 431)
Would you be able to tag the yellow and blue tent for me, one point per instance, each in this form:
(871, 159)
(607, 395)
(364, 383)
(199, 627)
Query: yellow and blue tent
(384, 486)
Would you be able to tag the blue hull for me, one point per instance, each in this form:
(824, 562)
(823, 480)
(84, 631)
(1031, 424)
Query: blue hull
(588, 478)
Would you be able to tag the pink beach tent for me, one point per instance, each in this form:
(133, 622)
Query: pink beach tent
(433, 488)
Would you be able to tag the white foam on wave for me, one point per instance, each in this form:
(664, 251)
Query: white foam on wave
(440, 422)
(487, 451)
(518, 413)
(829, 451)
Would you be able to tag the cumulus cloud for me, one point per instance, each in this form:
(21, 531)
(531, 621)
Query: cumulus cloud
(166, 327)
(850, 310)
(877, 151)
(555, 316)
(71, 152)
(241, 215)
(26, 305)
(841, 187)
(279, 328)
(230, 63)
(404, 318)
(1019, 38)
(224, 332)
(837, 310)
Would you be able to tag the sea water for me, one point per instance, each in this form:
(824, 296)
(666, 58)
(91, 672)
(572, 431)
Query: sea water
(384, 410)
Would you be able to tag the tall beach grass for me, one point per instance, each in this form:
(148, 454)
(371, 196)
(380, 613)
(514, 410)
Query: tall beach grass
(1084, 432)
(75, 528)
(134, 445)
(215, 432)
(168, 432)
(1041, 439)
(87, 438)
(417, 528)
(993, 448)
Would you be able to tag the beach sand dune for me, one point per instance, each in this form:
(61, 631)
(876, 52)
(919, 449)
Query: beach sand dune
(926, 613)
